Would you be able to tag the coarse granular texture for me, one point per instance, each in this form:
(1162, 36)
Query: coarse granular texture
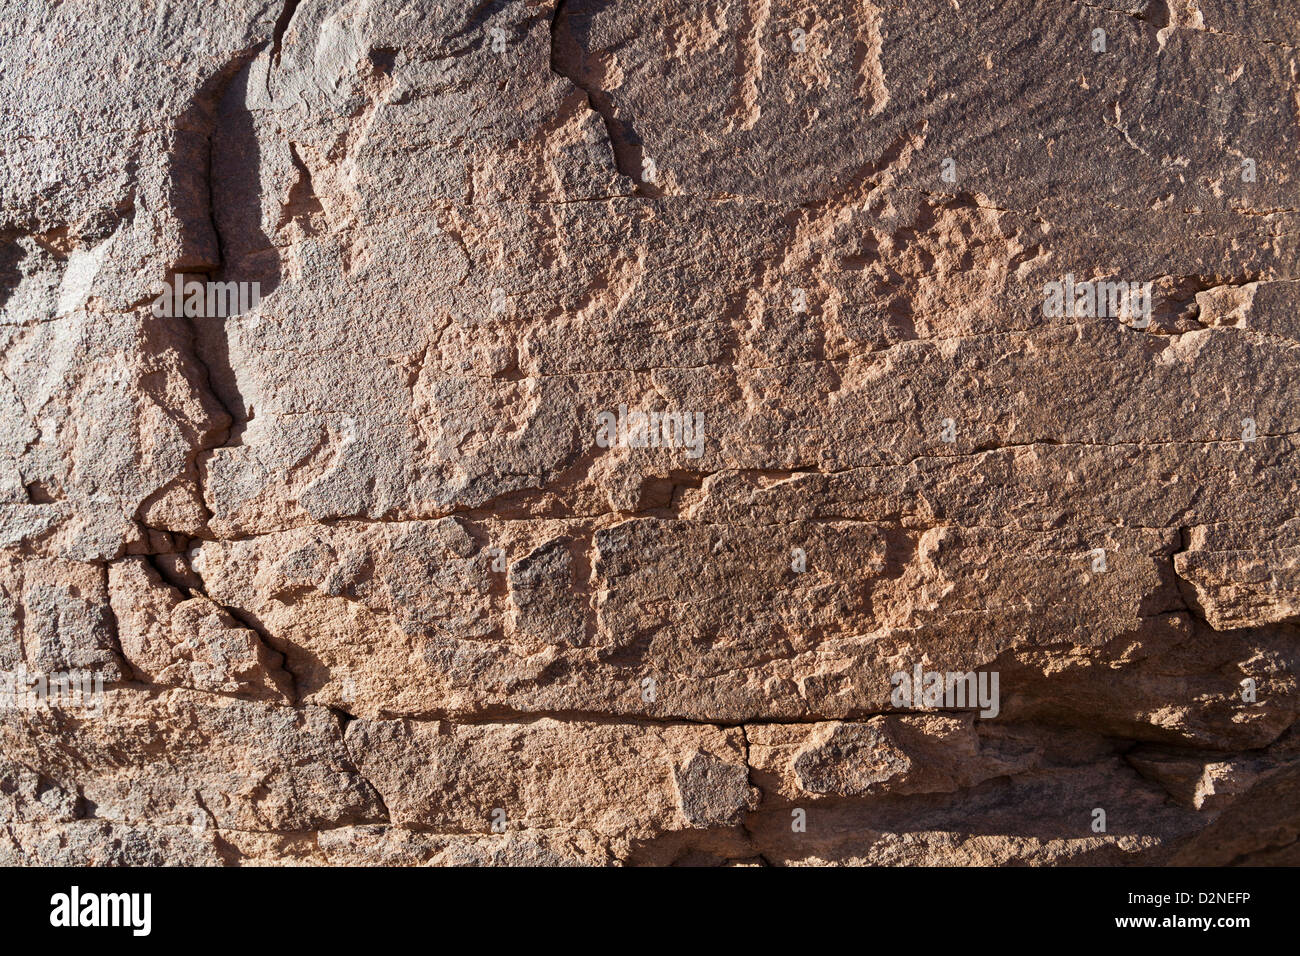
(592, 432)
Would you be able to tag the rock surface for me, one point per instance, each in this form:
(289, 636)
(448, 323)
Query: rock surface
(376, 566)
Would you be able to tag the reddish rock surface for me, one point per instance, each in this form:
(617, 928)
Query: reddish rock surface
(377, 567)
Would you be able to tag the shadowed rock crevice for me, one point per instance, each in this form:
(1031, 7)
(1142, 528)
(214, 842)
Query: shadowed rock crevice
(762, 512)
(573, 58)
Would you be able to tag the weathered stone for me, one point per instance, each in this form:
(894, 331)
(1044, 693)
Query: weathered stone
(360, 559)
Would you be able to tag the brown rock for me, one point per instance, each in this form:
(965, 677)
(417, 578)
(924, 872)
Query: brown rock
(634, 402)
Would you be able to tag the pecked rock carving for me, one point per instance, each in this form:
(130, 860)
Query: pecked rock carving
(604, 404)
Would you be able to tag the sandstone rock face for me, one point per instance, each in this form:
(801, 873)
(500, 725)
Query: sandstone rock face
(594, 420)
